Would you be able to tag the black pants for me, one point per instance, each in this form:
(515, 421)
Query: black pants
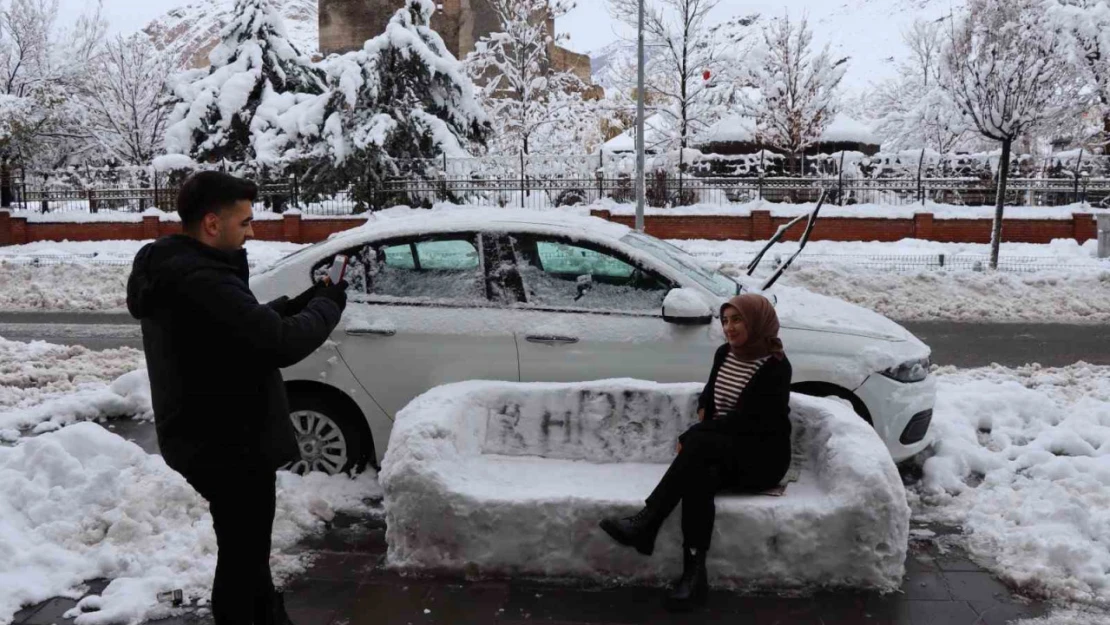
(708, 463)
(242, 502)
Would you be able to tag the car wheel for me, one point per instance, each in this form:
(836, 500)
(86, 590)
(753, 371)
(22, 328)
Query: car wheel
(328, 437)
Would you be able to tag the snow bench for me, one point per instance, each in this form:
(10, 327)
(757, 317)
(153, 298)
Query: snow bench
(496, 478)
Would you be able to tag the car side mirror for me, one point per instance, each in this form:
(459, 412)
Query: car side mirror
(686, 307)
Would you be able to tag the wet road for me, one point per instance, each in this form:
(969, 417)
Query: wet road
(959, 344)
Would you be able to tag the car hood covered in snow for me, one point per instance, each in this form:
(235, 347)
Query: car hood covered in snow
(805, 310)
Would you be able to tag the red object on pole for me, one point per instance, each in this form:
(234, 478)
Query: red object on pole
(705, 75)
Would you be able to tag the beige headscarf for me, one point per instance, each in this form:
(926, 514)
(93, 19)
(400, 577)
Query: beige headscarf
(763, 327)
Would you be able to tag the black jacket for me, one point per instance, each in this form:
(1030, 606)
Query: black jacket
(759, 425)
(214, 353)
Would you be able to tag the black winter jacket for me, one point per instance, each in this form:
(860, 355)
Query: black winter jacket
(214, 353)
(759, 425)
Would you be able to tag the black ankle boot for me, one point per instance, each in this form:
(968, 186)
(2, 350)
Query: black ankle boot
(638, 530)
(275, 614)
(692, 588)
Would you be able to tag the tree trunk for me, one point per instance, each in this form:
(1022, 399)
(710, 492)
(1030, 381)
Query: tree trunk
(1000, 201)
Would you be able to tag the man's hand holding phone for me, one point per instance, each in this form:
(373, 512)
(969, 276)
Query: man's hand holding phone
(337, 271)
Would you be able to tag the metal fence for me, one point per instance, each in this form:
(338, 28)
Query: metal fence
(893, 263)
(663, 190)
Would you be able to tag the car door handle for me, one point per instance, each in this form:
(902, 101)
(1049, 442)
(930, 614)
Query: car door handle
(370, 332)
(551, 340)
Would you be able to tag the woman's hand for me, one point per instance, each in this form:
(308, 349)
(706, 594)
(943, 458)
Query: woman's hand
(701, 414)
(678, 448)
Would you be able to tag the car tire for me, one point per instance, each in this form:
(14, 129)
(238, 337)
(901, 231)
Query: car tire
(827, 390)
(328, 436)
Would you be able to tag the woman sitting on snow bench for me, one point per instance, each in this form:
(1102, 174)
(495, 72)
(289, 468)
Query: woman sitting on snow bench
(742, 442)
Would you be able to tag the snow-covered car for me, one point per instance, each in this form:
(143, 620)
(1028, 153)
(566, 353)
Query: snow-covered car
(451, 295)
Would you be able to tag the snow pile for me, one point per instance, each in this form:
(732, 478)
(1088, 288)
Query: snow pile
(87, 275)
(83, 503)
(1059, 282)
(44, 386)
(512, 479)
(1059, 296)
(1022, 463)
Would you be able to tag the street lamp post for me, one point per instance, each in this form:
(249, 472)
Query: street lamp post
(640, 191)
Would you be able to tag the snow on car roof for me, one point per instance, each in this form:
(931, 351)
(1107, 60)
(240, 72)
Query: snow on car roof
(405, 221)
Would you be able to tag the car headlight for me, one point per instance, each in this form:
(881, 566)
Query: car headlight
(909, 371)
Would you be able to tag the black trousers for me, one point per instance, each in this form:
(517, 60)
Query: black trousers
(708, 463)
(242, 502)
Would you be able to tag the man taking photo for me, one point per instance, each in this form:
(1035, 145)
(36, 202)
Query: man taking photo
(214, 354)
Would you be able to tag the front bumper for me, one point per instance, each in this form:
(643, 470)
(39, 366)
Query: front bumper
(900, 412)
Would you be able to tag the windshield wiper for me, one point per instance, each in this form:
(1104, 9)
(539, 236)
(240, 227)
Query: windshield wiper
(774, 239)
(802, 243)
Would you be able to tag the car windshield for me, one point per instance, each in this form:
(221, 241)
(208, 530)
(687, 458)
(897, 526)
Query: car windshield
(684, 262)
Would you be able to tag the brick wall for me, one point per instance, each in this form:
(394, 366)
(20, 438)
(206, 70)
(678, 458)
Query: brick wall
(758, 226)
(761, 225)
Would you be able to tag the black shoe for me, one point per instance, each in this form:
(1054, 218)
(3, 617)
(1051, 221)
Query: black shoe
(692, 589)
(275, 614)
(638, 530)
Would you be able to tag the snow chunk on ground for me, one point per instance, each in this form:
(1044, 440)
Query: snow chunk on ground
(1022, 463)
(45, 386)
(83, 503)
(511, 479)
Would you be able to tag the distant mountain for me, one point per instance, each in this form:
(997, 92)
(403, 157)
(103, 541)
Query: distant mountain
(869, 32)
(190, 32)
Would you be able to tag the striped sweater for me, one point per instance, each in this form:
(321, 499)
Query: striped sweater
(731, 380)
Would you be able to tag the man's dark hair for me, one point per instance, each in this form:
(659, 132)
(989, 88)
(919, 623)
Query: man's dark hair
(210, 192)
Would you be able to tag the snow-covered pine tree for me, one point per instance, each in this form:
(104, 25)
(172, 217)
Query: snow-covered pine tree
(797, 89)
(214, 107)
(534, 107)
(401, 99)
(1002, 70)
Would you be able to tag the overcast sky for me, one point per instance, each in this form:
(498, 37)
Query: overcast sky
(589, 24)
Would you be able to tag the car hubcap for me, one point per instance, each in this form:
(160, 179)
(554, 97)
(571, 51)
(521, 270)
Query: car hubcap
(321, 442)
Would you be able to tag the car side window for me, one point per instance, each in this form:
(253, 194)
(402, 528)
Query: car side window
(443, 268)
(566, 274)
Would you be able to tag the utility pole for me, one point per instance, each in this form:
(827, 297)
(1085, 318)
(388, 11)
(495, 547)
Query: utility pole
(640, 122)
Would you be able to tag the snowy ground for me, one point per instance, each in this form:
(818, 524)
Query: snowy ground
(1060, 282)
(79, 502)
(1022, 464)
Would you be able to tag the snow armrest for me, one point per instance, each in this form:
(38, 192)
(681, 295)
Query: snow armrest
(509, 479)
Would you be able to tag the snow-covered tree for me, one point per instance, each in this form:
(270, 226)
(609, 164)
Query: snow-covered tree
(401, 98)
(1002, 70)
(534, 106)
(126, 99)
(42, 65)
(1085, 25)
(798, 89)
(913, 111)
(214, 107)
(686, 48)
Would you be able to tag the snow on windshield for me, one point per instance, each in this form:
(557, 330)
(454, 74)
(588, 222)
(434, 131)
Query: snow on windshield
(680, 260)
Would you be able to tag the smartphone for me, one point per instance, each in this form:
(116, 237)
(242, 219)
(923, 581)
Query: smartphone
(338, 269)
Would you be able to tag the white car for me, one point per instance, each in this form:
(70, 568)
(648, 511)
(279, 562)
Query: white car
(498, 294)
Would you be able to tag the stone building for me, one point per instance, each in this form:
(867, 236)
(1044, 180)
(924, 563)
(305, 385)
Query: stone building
(346, 24)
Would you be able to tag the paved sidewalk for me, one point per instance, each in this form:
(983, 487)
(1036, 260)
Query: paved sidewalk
(348, 585)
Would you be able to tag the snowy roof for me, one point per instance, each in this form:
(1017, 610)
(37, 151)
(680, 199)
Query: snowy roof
(741, 129)
(626, 141)
(845, 129)
(402, 221)
(730, 129)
